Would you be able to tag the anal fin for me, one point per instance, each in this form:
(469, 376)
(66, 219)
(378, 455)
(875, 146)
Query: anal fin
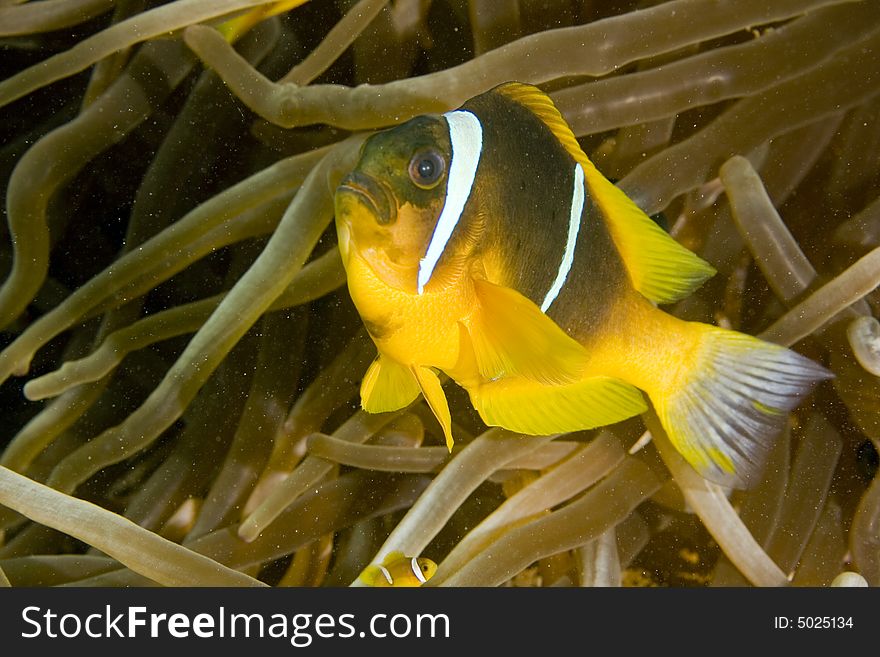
(529, 407)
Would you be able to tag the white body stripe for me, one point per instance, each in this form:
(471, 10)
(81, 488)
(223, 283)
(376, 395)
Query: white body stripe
(574, 224)
(387, 575)
(466, 137)
(414, 564)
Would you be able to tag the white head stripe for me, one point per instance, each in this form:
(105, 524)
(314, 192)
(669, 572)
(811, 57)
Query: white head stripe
(574, 224)
(466, 137)
(417, 571)
(387, 575)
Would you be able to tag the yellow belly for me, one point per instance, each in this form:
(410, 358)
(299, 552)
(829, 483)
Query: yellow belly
(409, 328)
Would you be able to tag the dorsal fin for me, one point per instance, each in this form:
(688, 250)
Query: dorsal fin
(659, 267)
(393, 556)
(541, 106)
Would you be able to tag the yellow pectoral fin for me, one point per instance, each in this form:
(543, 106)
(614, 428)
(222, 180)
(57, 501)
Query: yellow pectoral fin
(528, 407)
(436, 398)
(387, 386)
(512, 337)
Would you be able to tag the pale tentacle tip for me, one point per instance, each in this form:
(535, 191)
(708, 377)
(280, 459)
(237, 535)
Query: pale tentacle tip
(849, 579)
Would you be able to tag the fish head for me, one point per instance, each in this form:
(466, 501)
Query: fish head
(387, 207)
(410, 571)
(427, 567)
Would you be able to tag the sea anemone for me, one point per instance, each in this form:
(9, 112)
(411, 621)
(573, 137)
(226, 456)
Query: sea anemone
(181, 360)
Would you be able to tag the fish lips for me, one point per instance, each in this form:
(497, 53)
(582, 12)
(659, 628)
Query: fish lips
(371, 193)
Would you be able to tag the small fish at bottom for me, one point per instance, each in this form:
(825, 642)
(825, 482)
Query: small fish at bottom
(399, 570)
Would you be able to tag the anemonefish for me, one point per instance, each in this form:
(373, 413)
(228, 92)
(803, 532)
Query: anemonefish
(484, 244)
(399, 570)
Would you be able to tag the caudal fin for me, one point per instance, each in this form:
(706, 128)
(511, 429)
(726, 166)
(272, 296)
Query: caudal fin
(731, 407)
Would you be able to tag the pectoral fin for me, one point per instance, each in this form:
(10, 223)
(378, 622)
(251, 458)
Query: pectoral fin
(512, 337)
(528, 407)
(430, 386)
(387, 386)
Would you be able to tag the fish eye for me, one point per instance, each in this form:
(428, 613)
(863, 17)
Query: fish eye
(425, 168)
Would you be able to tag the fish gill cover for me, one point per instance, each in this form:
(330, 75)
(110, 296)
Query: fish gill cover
(181, 360)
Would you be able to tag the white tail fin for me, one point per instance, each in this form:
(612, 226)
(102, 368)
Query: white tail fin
(734, 404)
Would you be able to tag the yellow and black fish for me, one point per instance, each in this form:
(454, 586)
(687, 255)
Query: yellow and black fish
(483, 243)
(399, 570)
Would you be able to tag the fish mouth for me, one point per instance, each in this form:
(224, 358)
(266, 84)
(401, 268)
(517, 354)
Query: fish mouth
(371, 193)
